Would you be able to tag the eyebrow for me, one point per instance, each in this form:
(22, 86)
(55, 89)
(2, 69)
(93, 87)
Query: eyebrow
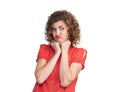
(58, 26)
(61, 26)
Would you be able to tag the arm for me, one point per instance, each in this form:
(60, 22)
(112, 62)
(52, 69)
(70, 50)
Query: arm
(43, 69)
(67, 73)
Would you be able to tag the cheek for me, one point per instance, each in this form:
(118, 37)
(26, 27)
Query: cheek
(53, 34)
(66, 36)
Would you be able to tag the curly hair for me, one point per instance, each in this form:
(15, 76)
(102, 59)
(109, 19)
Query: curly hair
(71, 22)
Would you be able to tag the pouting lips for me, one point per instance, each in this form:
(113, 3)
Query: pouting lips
(57, 37)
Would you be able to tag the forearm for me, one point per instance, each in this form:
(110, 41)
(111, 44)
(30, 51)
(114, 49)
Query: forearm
(43, 73)
(65, 73)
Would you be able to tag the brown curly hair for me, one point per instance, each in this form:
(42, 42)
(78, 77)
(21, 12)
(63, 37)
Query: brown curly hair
(71, 22)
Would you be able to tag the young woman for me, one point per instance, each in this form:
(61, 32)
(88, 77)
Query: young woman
(60, 61)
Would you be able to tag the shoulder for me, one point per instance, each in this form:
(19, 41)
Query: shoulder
(78, 55)
(45, 46)
(44, 51)
(78, 49)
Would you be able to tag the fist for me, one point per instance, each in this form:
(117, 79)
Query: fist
(65, 45)
(55, 46)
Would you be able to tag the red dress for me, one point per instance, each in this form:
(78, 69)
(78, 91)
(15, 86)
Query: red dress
(52, 84)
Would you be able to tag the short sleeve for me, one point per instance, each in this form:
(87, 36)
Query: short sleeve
(43, 52)
(80, 56)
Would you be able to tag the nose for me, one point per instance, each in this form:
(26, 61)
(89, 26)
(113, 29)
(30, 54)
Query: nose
(57, 32)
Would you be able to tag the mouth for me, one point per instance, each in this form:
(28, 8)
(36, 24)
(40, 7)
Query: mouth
(57, 37)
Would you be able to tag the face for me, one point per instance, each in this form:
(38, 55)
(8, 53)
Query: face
(60, 31)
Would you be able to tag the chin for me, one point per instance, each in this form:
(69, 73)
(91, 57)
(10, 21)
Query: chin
(60, 41)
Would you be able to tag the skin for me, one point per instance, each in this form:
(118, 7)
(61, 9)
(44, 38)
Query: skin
(61, 46)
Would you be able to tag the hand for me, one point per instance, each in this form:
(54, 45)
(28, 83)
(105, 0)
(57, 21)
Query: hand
(55, 46)
(65, 45)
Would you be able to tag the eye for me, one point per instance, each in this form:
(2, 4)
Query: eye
(61, 28)
(53, 29)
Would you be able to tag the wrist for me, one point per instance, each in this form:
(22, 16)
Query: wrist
(65, 51)
(57, 52)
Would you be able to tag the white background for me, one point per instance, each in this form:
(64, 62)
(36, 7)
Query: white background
(22, 24)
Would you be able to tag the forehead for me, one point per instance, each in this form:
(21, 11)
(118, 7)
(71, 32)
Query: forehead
(59, 23)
